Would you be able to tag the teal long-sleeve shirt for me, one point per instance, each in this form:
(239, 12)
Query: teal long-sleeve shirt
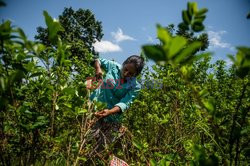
(113, 92)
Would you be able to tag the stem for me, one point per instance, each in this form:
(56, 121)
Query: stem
(237, 152)
(84, 127)
(231, 139)
(69, 148)
(53, 113)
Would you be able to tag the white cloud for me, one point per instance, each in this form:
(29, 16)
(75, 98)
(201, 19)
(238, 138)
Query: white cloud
(216, 41)
(105, 46)
(119, 36)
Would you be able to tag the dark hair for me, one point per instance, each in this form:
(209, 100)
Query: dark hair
(137, 61)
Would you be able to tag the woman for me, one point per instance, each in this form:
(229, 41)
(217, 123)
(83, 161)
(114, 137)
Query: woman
(118, 90)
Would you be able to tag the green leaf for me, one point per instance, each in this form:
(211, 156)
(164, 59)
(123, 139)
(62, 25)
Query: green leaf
(201, 12)
(82, 111)
(137, 144)
(39, 124)
(5, 30)
(3, 84)
(36, 74)
(185, 17)
(16, 76)
(197, 27)
(184, 70)
(176, 45)
(209, 104)
(187, 52)
(183, 26)
(163, 35)
(194, 7)
(69, 91)
(38, 48)
(203, 93)
(153, 162)
(199, 19)
(189, 9)
(28, 112)
(164, 162)
(22, 34)
(69, 105)
(245, 130)
(29, 67)
(53, 27)
(154, 52)
(242, 61)
(82, 158)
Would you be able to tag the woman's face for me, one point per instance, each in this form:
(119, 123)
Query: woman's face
(128, 70)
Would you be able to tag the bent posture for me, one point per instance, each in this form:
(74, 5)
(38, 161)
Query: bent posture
(118, 90)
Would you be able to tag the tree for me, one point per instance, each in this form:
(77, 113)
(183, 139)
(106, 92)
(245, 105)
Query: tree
(81, 30)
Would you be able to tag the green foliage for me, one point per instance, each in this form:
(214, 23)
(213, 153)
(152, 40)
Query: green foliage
(199, 113)
(81, 30)
(180, 49)
(200, 116)
(193, 17)
(242, 61)
(53, 27)
(43, 101)
(173, 50)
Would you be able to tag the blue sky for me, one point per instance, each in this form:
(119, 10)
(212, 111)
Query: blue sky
(127, 25)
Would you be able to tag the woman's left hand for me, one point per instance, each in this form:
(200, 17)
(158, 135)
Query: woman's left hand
(102, 113)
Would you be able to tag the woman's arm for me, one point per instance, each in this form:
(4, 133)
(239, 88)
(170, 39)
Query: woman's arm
(122, 105)
(98, 70)
(107, 112)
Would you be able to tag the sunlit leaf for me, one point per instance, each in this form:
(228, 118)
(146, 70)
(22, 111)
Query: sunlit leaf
(176, 45)
(209, 104)
(189, 9)
(163, 35)
(53, 26)
(153, 162)
(36, 74)
(203, 93)
(138, 145)
(187, 52)
(201, 12)
(3, 83)
(194, 7)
